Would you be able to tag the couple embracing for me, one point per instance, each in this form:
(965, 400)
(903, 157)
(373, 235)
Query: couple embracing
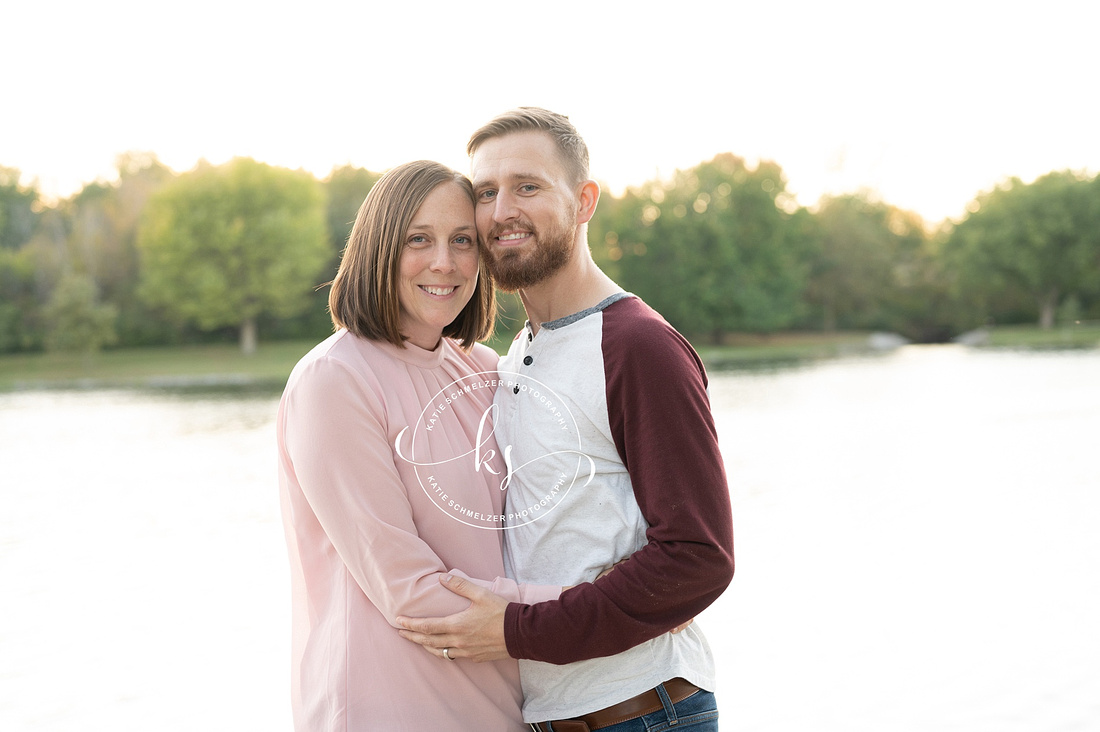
(498, 544)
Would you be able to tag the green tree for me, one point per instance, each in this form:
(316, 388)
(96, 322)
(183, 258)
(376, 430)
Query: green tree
(923, 306)
(346, 187)
(19, 216)
(715, 250)
(223, 245)
(18, 210)
(76, 320)
(117, 264)
(18, 304)
(869, 256)
(1038, 241)
(93, 233)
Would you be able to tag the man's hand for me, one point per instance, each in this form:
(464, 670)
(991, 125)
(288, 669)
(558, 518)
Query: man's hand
(475, 634)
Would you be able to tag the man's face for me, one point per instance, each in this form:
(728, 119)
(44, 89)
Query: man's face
(526, 208)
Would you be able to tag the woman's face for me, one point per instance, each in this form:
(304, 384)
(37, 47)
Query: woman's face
(439, 264)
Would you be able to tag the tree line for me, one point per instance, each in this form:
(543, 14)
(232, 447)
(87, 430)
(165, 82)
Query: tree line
(242, 250)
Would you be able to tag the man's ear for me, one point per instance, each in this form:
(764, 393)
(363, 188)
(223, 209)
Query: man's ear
(587, 199)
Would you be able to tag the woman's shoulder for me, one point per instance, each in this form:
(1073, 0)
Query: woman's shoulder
(340, 346)
(340, 357)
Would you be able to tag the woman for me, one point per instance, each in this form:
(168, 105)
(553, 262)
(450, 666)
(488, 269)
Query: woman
(376, 450)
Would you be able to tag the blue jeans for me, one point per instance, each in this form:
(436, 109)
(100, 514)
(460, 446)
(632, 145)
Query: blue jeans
(698, 713)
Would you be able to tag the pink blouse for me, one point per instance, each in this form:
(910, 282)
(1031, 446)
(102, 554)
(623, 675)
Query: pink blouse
(370, 526)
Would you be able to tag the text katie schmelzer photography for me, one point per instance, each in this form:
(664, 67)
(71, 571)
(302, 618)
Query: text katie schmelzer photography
(425, 445)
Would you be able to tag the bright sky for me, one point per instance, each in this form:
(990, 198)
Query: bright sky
(926, 103)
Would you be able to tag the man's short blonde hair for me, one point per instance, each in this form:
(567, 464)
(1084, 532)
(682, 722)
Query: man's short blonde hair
(570, 144)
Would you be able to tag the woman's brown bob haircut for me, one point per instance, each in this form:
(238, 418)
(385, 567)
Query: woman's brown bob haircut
(364, 295)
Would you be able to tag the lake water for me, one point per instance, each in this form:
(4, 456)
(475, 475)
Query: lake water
(918, 547)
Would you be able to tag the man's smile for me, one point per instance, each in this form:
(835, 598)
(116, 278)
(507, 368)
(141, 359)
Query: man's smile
(512, 238)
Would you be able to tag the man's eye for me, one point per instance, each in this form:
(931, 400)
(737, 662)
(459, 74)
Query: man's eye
(487, 195)
(528, 188)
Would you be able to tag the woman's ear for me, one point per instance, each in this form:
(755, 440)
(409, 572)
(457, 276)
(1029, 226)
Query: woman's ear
(587, 200)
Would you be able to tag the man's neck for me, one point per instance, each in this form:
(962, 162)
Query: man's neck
(579, 285)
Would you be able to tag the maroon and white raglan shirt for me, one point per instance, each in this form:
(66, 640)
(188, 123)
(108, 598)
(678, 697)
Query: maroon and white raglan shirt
(605, 424)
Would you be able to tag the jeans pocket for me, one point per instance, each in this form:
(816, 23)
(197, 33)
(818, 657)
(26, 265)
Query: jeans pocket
(699, 713)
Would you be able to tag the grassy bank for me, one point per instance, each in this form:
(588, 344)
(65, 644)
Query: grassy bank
(154, 367)
(225, 366)
(755, 351)
(1076, 335)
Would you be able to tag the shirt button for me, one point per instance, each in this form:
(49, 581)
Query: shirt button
(527, 360)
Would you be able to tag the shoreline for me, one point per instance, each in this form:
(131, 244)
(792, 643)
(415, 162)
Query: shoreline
(222, 367)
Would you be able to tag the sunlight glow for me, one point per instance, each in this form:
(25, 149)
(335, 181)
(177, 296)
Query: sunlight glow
(925, 106)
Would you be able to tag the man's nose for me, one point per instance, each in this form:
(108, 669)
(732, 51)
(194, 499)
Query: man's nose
(504, 207)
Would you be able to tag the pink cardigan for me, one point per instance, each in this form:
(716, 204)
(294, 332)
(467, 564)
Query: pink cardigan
(368, 538)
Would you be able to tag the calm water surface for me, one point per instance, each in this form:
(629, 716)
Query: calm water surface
(917, 544)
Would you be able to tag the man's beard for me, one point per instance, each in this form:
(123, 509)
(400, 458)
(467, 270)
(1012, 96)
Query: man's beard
(514, 270)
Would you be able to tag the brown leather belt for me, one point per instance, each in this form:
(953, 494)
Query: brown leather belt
(645, 703)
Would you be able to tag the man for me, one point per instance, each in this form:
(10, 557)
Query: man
(656, 508)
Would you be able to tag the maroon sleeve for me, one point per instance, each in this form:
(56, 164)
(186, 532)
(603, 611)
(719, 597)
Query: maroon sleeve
(663, 428)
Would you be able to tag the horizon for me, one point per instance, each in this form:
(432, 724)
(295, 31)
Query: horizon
(53, 199)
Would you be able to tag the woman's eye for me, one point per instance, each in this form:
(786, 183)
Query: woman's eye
(528, 188)
(464, 241)
(418, 240)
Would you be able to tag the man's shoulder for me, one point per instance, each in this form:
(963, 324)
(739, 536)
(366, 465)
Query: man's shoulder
(634, 311)
(630, 325)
